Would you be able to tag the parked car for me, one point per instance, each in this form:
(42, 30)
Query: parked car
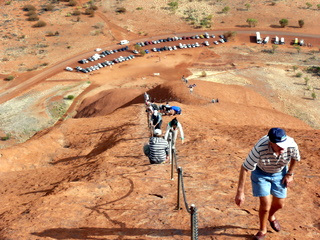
(122, 42)
(216, 42)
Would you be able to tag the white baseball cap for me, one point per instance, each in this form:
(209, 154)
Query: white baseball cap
(157, 132)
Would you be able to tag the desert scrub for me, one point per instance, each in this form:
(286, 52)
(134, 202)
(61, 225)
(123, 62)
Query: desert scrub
(40, 24)
(7, 137)
(9, 78)
(70, 97)
(57, 109)
(203, 74)
(28, 7)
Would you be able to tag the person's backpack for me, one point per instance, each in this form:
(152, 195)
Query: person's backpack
(155, 106)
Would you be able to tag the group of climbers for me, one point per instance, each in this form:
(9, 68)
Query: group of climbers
(157, 150)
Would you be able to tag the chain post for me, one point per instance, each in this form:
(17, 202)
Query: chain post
(194, 222)
(179, 187)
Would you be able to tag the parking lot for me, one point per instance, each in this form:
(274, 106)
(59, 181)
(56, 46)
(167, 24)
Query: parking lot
(106, 58)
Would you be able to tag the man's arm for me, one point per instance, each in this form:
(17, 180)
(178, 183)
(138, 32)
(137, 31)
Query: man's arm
(181, 132)
(239, 199)
(288, 178)
(167, 132)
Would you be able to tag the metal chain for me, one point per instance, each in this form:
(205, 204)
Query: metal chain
(184, 192)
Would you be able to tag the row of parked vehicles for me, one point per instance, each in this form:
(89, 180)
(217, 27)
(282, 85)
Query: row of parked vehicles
(104, 64)
(97, 56)
(175, 38)
(278, 40)
(103, 54)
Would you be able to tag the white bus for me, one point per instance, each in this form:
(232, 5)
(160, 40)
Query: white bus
(259, 40)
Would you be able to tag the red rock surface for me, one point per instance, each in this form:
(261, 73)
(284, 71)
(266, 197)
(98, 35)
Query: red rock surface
(87, 177)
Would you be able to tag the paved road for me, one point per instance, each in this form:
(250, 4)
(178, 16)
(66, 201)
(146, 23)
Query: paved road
(60, 66)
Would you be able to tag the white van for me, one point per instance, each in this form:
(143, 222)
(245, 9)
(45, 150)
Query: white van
(122, 42)
(282, 40)
(276, 40)
(301, 43)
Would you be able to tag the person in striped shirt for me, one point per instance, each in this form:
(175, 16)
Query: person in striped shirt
(158, 149)
(271, 162)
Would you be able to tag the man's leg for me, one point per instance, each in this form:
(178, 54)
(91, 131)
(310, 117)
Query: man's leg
(174, 138)
(277, 204)
(264, 210)
(146, 149)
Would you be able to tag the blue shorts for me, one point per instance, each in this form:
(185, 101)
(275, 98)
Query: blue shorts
(264, 184)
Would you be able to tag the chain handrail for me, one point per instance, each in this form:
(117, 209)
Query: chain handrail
(192, 210)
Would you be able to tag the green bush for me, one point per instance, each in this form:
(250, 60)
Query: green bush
(299, 74)
(301, 23)
(70, 97)
(284, 22)
(9, 78)
(309, 5)
(40, 24)
(226, 9)
(139, 8)
(7, 137)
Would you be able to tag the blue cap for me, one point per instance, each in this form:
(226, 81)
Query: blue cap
(278, 136)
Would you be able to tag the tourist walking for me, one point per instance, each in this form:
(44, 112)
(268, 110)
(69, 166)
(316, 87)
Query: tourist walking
(272, 162)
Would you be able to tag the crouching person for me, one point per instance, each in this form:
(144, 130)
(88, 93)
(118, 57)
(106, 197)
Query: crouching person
(158, 149)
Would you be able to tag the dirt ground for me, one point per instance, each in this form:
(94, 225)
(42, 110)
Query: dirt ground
(74, 168)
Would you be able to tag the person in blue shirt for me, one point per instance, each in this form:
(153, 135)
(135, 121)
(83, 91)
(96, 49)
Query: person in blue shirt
(175, 110)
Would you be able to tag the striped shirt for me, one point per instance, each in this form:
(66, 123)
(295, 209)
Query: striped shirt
(159, 149)
(263, 156)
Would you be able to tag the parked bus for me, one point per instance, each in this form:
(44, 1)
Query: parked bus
(259, 40)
